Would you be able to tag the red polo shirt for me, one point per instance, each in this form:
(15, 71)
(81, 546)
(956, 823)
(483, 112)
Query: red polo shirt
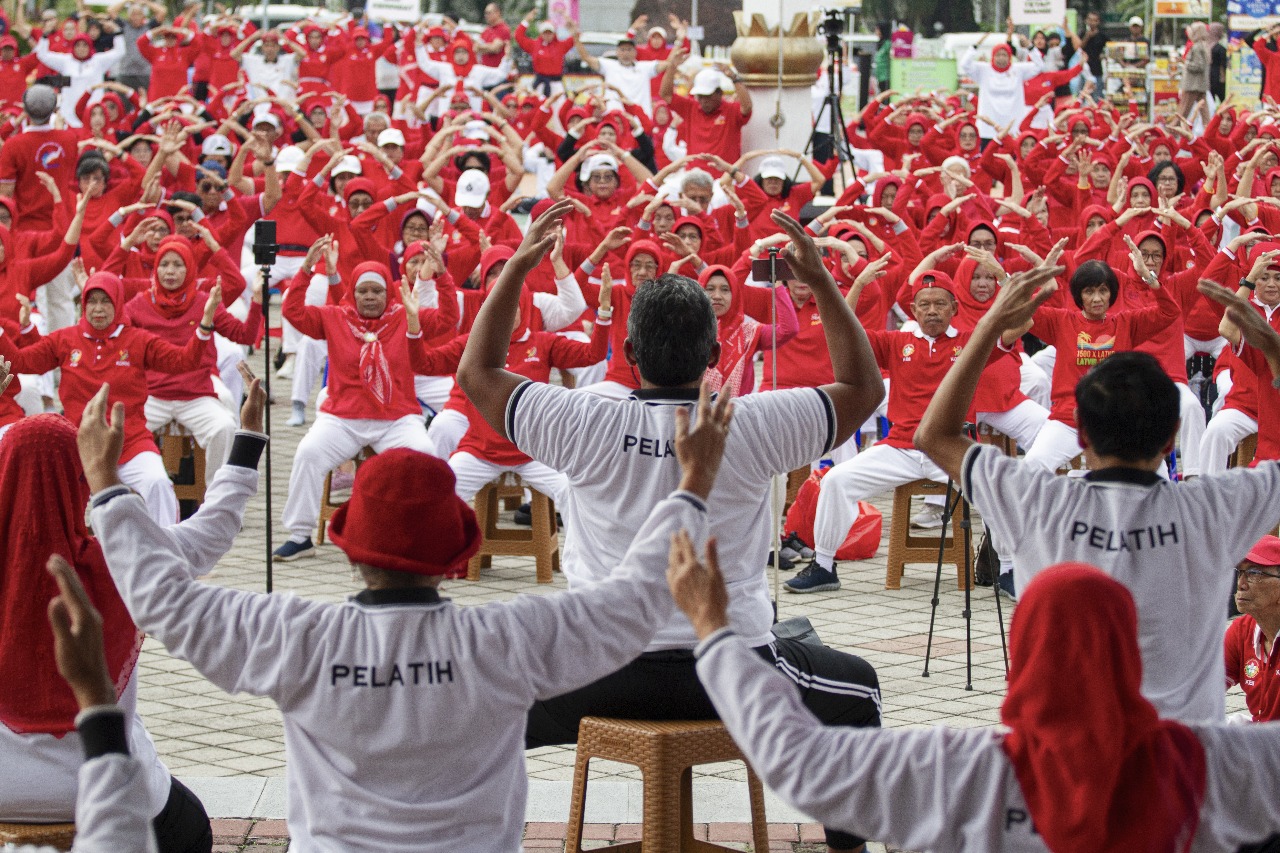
(1257, 674)
(718, 132)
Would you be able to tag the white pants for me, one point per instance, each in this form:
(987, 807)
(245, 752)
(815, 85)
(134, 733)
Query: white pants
(1226, 430)
(1045, 359)
(308, 367)
(1055, 446)
(540, 167)
(145, 474)
(1022, 423)
(283, 271)
(609, 390)
(362, 108)
(1225, 384)
(445, 432)
(330, 442)
(592, 374)
(5, 428)
(432, 393)
(30, 398)
(56, 300)
(1035, 383)
(206, 418)
(1192, 431)
(1191, 346)
(474, 473)
(872, 472)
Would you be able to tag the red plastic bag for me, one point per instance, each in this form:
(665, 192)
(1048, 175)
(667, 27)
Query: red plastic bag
(864, 536)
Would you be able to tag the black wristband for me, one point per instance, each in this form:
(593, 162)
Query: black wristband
(1244, 282)
(246, 450)
(205, 328)
(103, 732)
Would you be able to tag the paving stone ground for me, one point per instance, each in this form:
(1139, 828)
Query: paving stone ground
(202, 732)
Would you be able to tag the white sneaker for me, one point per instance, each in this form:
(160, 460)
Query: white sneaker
(929, 518)
(299, 415)
(286, 369)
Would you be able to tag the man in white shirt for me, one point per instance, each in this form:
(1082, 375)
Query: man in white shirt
(403, 715)
(1166, 542)
(626, 74)
(274, 70)
(618, 456)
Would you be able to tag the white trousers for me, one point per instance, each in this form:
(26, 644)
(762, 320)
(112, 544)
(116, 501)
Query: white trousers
(1226, 430)
(31, 397)
(445, 432)
(1192, 431)
(474, 473)
(1055, 446)
(56, 300)
(609, 390)
(432, 393)
(308, 367)
(1191, 346)
(282, 272)
(1022, 423)
(1034, 382)
(145, 474)
(330, 442)
(874, 471)
(1045, 359)
(206, 418)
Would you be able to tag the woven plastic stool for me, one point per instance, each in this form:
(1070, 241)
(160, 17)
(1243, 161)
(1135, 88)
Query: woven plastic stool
(666, 753)
(541, 541)
(59, 835)
(176, 443)
(906, 547)
(328, 506)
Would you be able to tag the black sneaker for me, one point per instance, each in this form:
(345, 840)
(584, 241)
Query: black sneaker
(290, 551)
(523, 515)
(814, 578)
(1004, 584)
(793, 548)
(783, 562)
(987, 565)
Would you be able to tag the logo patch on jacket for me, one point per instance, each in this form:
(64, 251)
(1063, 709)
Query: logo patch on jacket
(123, 359)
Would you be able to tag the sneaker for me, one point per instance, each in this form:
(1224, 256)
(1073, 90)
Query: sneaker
(286, 369)
(523, 515)
(814, 578)
(298, 416)
(794, 549)
(783, 563)
(290, 551)
(1004, 584)
(929, 518)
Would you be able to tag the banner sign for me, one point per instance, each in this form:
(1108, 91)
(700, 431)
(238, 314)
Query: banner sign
(929, 75)
(1183, 9)
(1038, 11)
(404, 11)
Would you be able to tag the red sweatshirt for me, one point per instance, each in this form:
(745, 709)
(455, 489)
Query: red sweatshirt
(142, 313)
(548, 57)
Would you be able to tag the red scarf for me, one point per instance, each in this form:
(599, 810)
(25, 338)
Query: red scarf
(43, 495)
(737, 333)
(172, 303)
(1100, 771)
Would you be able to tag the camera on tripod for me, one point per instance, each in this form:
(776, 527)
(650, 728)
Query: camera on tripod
(832, 26)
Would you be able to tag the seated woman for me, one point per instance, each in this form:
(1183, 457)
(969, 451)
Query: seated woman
(43, 494)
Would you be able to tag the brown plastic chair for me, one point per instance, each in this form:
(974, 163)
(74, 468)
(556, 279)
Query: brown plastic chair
(175, 445)
(328, 506)
(907, 547)
(541, 541)
(666, 753)
(58, 835)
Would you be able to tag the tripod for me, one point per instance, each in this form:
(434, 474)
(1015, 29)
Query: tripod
(966, 527)
(832, 26)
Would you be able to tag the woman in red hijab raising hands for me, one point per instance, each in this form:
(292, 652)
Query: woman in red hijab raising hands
(1086, 766)
(105, 348)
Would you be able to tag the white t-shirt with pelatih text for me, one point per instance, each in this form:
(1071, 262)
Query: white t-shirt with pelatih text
(619, 456)
(1173, 545)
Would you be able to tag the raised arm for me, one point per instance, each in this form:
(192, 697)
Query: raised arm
(858, 388)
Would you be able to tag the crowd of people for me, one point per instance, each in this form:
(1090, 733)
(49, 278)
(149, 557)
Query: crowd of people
(1099, 287)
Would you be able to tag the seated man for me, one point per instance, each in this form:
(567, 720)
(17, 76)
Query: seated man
(1165, 542)
(403, 714)
(1250, 641)
(618, 456)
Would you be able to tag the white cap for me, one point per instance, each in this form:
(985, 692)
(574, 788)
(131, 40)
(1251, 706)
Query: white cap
(707, 82)
(348, 165)
(659, 30)
(595, 163)
(472, 190)
(217, 145)
(1135, 21)
(289, 158)
(773, 167)
(391, 136)
(546, 27)
(266, 117)
(475, 129)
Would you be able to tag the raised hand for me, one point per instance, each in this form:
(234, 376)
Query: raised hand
(6, 375)
(801, 253)
(541, 234)
(1018, 298)
(697, 588)
(100, 443)
(77, 639)
(700, 446)
(255, 400)
(606, 289)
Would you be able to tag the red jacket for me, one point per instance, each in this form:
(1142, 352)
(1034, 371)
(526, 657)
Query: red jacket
(142, 313)
(548, 57)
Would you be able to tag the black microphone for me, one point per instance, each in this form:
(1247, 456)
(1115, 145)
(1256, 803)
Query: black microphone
(264, 242)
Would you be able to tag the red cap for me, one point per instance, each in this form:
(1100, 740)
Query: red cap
(933, 278)
(1266, 552)
(403, 516)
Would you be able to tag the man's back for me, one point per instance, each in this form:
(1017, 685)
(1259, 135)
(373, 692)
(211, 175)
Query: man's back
(620, 460)
(1172, 545)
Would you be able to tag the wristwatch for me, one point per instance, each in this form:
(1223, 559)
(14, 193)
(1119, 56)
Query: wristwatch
(1244, 282)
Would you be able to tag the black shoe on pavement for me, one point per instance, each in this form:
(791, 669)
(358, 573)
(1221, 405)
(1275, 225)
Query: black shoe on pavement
(814, 578)
(1004, 584)
(523, 515)
(290, 551)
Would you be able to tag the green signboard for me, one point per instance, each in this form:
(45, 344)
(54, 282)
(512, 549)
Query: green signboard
(907, 75)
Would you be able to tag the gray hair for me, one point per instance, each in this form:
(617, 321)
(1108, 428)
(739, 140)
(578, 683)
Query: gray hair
(39, 101)
(376, 114)
(697, 178)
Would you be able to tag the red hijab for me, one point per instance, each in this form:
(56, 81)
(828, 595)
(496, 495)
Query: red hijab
(736, 332)
(43, 495)
(1103, 774)
(172, 303)
(375, 369)
(112, 285)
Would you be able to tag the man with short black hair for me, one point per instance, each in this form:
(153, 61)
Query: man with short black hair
(1166, 542)
(619, 460)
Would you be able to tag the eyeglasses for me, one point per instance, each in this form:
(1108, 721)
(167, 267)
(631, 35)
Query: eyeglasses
(210, 187)
(1152, 257)
(1253, 575)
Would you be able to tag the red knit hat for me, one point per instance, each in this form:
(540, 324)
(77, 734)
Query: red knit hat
(403, 516)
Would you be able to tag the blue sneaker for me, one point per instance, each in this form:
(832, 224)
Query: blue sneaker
(814, 578)
(1004, 583)
(290, 551)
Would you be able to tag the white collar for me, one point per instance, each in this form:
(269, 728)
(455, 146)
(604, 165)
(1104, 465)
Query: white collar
(914, 328)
